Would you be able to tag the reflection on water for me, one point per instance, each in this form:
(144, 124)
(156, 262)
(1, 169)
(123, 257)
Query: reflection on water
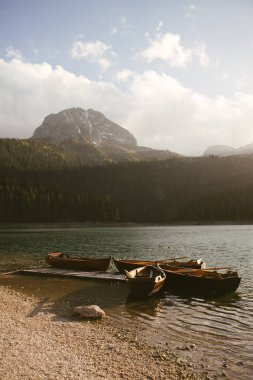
(146, 308)
(221, 328)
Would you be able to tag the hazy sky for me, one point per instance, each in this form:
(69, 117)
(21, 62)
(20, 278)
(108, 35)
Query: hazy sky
(177, 74)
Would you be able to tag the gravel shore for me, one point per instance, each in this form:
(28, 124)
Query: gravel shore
(39, 343)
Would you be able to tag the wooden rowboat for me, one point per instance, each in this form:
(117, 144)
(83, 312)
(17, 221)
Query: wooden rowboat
(201, 281)
(123, 264)
(145, 281)
(59, 260)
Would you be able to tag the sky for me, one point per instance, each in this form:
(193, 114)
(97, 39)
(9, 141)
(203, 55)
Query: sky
(176, 74)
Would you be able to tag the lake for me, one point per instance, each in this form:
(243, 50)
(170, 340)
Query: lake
(220, 329)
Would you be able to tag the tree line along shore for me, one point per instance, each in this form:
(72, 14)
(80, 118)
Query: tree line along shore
(157, 192)
(41, 188)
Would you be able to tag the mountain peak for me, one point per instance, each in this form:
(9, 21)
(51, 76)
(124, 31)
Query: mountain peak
(225, 150)
(219, 150)
(88, 125)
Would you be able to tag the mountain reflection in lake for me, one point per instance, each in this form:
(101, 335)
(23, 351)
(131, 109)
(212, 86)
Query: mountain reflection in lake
(212, 332)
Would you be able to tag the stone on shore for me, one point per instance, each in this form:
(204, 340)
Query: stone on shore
(91, 311)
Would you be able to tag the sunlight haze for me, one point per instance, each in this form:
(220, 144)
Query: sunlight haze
(176, 74)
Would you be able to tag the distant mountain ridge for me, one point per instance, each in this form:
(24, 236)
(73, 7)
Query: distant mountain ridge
(87, 125)
(225, 150)
(73, 138)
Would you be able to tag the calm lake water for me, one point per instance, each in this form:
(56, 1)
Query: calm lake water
(220, 327)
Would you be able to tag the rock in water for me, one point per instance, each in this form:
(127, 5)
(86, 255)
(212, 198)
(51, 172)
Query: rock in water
(91, 311)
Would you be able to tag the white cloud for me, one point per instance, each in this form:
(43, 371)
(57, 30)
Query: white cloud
(168, 48)
(240, 80)
(189, 11)
(104, 63)
(159, 26)
(169, 115)
(159, 110)
(114, 30)
(200, 52)
(225, 75)
(92, 51)
(29, 92)
(123, 27)
(123, 75)
(14, 53)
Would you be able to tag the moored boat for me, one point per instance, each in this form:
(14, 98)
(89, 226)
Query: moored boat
(145, 281)
(60, 260)
(218, 281)
(124, 264)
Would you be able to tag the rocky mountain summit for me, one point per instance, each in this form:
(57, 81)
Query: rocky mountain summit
(225, 150)
(81, 137)
(88, 126)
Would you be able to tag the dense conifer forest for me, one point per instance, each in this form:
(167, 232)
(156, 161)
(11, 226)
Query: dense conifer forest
(39, 184)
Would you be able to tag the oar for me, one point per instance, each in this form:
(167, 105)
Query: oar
(175, 258)
(7, 273)
(192, 270)
(216, 268)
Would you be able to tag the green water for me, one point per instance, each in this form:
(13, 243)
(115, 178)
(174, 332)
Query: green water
(221, 327)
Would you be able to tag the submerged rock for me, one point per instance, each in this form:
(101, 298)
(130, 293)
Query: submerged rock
(91, 311)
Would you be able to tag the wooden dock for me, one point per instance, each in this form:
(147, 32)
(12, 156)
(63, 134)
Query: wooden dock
(48, 271)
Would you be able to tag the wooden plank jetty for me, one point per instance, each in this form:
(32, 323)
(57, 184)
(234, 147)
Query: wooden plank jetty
(48, 271)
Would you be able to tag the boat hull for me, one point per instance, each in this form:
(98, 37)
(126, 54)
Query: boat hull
(145, 287)
(199, 284)
(81, 264)
(129, 265)
(142, 284)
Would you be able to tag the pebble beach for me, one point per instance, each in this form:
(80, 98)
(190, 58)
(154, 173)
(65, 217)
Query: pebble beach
(40, 342)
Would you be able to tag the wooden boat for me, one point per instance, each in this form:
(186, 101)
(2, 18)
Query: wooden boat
(219, 281)
(123, 264)
(145, 281)
(60, 260)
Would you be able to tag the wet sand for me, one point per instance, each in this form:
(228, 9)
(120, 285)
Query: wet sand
(39, 341)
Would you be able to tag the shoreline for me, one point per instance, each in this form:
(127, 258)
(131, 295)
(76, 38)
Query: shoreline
(58, 225)
(43, 342)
